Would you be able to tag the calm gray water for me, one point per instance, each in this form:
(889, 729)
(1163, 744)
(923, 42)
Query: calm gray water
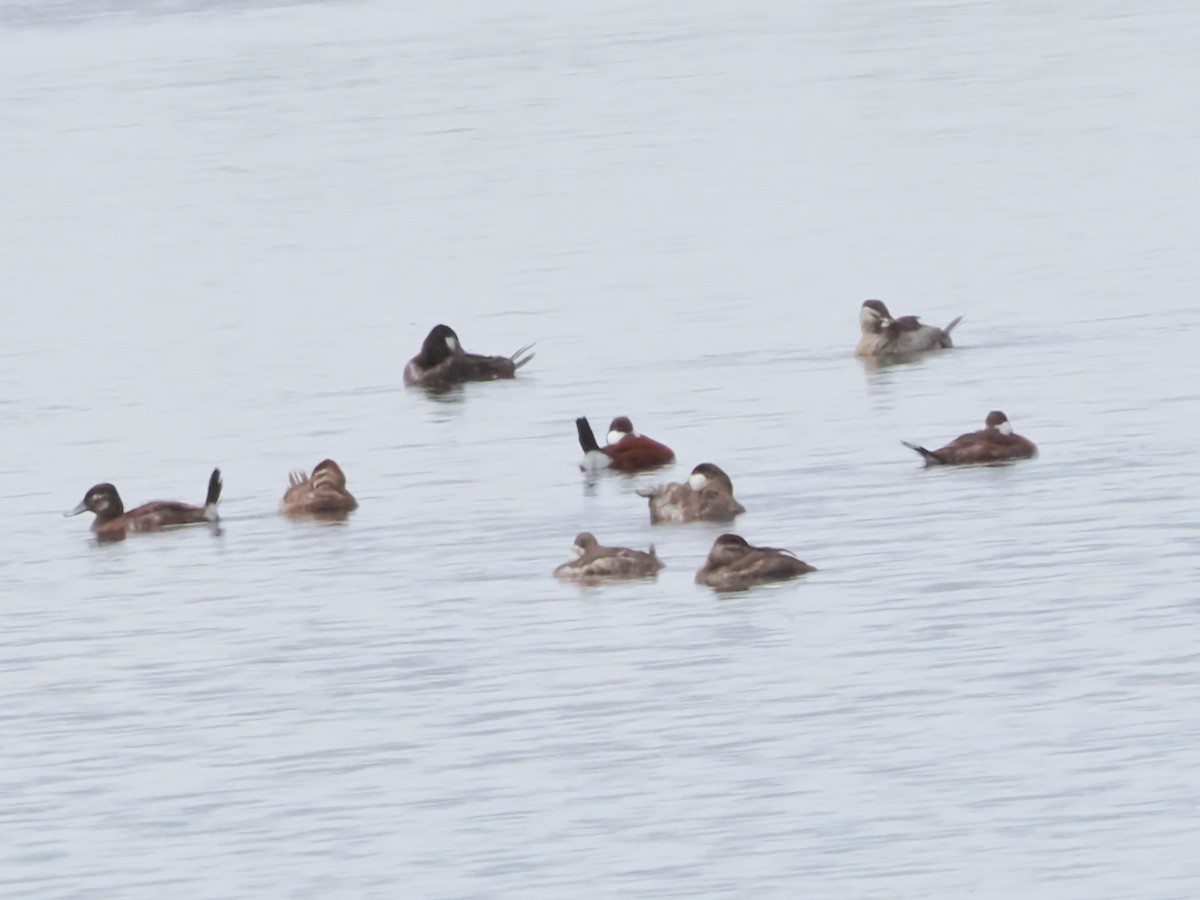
(227, 225)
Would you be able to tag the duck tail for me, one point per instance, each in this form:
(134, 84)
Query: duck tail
(949, 328)
(931, 458)
(519, 360)
(214, 495)
(587, 439)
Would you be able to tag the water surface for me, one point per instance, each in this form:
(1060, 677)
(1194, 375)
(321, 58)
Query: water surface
(226, 227)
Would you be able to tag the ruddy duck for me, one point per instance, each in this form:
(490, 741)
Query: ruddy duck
(883, 335)
(112, 522)
(995, 443)
(442, 362)
(707, 496)
(322, 494)
(593, 562)
(626, 451)
(734, 565)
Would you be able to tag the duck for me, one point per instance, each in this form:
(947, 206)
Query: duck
(993, 444)
(707, 496)
(734, 564)
(625, 450)
(442, 362)
(112, 522)
(323, 493)
(885, 335)
(593, 561)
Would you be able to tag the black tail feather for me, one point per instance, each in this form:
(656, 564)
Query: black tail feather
(587, 440)
(931, 458)
(214, 489)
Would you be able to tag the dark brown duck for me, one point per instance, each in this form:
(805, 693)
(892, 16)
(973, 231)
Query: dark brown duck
(734, 565)
(993, 444)
(112, 522)
(442, 362)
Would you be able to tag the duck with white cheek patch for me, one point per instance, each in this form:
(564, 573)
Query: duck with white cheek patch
(626, 450)
(112, 523)
(995, 443)
(442, 362)
(884, 335)
(707, 496)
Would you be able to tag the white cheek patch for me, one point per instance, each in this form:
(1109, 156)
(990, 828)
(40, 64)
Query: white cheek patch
(576, 551)
(872, 319)
(101, 504)
(697, 481)
(1004, 427)
(452, 344)
(614, 436)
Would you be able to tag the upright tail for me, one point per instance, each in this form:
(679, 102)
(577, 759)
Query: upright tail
(214, 495)
(587, 440)
(949, 328)
(519, 360)
(931, 458)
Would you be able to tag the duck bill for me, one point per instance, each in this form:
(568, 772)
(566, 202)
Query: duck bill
(82, 507)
